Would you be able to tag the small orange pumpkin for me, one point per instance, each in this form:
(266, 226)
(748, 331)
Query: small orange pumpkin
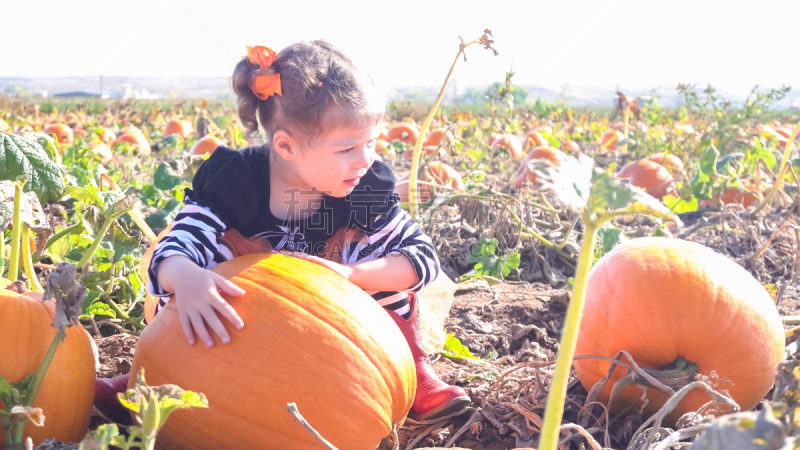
(205, 145)
(509, 142)
(670, 161)
(534, 139)
(137, 139)
(436, 136)
(524, 175)
(610, 139)
(180, 127)
(63, 134)
(437, 172)
(406, 132)
(650, 176)
(106, 135)
(660, 299)
(66, 394)
(571, 146)
(310, 337)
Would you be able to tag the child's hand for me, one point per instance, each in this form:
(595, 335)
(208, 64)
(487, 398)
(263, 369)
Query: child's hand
(198, 302)
(341, 269)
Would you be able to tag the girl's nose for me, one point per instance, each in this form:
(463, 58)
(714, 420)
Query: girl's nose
(363, 157)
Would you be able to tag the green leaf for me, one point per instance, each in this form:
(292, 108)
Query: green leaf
(5, 390)
(708, 161)
(89, 195)
(453, 348)
(165, 178)
(610, 194)
(679, 205)
(99, 309)
(21, 156)
(91, 296)
(610, 236)
(122, 243)
(102, 437)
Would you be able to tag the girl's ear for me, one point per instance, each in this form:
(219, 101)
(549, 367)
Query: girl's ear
(284, 144)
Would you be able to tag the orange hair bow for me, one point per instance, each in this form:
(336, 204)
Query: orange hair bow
(264, 85)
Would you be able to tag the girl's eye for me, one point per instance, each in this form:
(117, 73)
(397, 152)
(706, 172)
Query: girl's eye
(371, 143)
(344, 152)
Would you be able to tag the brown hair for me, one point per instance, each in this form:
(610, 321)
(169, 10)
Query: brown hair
(314, 75)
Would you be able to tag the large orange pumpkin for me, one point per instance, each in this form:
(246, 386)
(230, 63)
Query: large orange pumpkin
(66, 394)
(206, 144)
(405, 132)
(63, 134)
(524, 175)
(652, 177)
(310, 337)
(660, 299)
(508, 142)
(437, 172)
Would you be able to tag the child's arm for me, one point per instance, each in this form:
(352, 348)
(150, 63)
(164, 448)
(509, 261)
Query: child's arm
(179, 266)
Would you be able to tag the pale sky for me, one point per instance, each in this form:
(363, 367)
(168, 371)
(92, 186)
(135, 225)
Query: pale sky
(632, 44)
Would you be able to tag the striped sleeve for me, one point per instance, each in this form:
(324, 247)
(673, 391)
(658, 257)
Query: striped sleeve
(400, 234)
(195, 234)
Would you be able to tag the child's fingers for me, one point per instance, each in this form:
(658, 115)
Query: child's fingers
(228, 312)
(213, 321)
(200, 328)
(186, 324)
(227, 286)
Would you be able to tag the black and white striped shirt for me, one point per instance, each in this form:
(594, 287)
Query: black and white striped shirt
(231, 191)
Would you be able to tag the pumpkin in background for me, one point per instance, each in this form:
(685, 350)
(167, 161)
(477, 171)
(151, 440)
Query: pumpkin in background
(427, 150)
(571, 146)
(180, 127)
(66, 394)
(660, 299)
(670, 161)
(310, 337)
(435, 137)
(534, 139)
(652, 177)
(735, 195)
(106, 135)
(610, 139)
(205, 145)
(524, 175)
(137, 139)
(405, 132)
(63, 134)
(437, 172)
(508, 142)
(129, 129)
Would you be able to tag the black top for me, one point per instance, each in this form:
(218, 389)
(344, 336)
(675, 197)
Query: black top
(234, 185)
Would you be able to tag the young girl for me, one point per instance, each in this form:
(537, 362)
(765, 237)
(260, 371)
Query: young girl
(313, 190)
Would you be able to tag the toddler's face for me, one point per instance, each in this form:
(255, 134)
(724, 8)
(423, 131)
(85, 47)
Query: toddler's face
(335, 161)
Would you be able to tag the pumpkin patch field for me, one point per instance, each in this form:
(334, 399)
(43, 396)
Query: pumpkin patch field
(624, 279)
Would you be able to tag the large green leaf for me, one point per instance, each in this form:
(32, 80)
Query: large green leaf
(21, 156)
(165, 178)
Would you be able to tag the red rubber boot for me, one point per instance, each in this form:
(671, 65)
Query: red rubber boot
(434, 398)
(106, 400)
